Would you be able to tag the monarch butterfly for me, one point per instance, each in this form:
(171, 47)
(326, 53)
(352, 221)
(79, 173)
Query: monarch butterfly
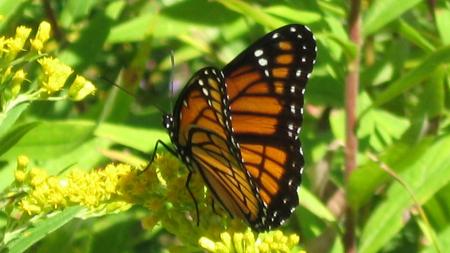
(239, 126)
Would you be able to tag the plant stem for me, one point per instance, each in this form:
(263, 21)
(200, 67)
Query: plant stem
(351, 142)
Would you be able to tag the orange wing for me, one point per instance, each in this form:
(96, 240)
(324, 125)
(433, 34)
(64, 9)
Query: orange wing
(266, 85)
(204, 141)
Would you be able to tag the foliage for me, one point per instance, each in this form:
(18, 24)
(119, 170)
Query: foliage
(399, 192)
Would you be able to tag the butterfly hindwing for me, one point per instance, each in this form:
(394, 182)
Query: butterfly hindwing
(205, 143)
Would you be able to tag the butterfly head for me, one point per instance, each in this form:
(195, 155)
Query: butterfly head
(168, 121)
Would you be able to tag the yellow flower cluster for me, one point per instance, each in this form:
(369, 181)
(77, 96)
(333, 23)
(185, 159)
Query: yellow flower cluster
(97, 190)
(273, 241)
(20, 51)
(55, 74)
(160, 188)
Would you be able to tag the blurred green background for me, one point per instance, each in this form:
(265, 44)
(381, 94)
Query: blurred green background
(403, 107)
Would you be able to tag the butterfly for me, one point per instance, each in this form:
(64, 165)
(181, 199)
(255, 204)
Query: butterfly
(239, 126)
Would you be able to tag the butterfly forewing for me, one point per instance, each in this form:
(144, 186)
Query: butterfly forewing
(266, 84)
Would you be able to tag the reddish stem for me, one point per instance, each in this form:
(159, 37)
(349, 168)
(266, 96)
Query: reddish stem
(351, 94)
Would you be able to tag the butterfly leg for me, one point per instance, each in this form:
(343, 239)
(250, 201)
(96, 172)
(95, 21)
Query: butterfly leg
(159, 142)
(188, 179)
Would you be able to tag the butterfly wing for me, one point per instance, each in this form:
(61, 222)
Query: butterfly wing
(266, 85)
(203, 137)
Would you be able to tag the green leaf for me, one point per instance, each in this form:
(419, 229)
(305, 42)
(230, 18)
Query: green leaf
(381, 128)
(83, 52)
(138, 138)
(11, 116)
(132, 30)
(74, 9)
(415, 36)
(383, 12)
(41, 229)
(52, 139)
(432, 101)
(426, 176)
(364, 181)
(426, 68)
(252, 12)
(314, 205)
(10, 139)
(443, 238)
(8, 9)
(299, 16)
(442, 17)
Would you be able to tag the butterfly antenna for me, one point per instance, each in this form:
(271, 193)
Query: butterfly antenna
(118, 86)
(160, 109)
(172, 62)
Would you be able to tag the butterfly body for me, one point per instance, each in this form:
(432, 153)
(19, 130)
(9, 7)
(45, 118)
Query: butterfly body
(239, 126)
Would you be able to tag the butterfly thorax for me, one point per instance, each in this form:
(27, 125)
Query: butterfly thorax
(169, 124)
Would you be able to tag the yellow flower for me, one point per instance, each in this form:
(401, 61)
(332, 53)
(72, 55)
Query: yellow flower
(22, 163)
(80, 88)
(29, 208)
(55, 74)
(16, 44)
(42, 35)
(17, 81)
(273, 241)
(3, 45)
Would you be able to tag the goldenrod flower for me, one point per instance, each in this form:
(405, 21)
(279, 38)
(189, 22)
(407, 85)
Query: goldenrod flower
(15, 45)
(273, 241)
(3, 45)
(55, 74)
(80, 88)
(42, 35)
(160, 188)
(17, 81)
(22, 163)
(97, 190)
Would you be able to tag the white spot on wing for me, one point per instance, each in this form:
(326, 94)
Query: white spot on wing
(293, 108)
(293, 89)
(258, 52)
(292, 29)
(275, 35)
(262, 62)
